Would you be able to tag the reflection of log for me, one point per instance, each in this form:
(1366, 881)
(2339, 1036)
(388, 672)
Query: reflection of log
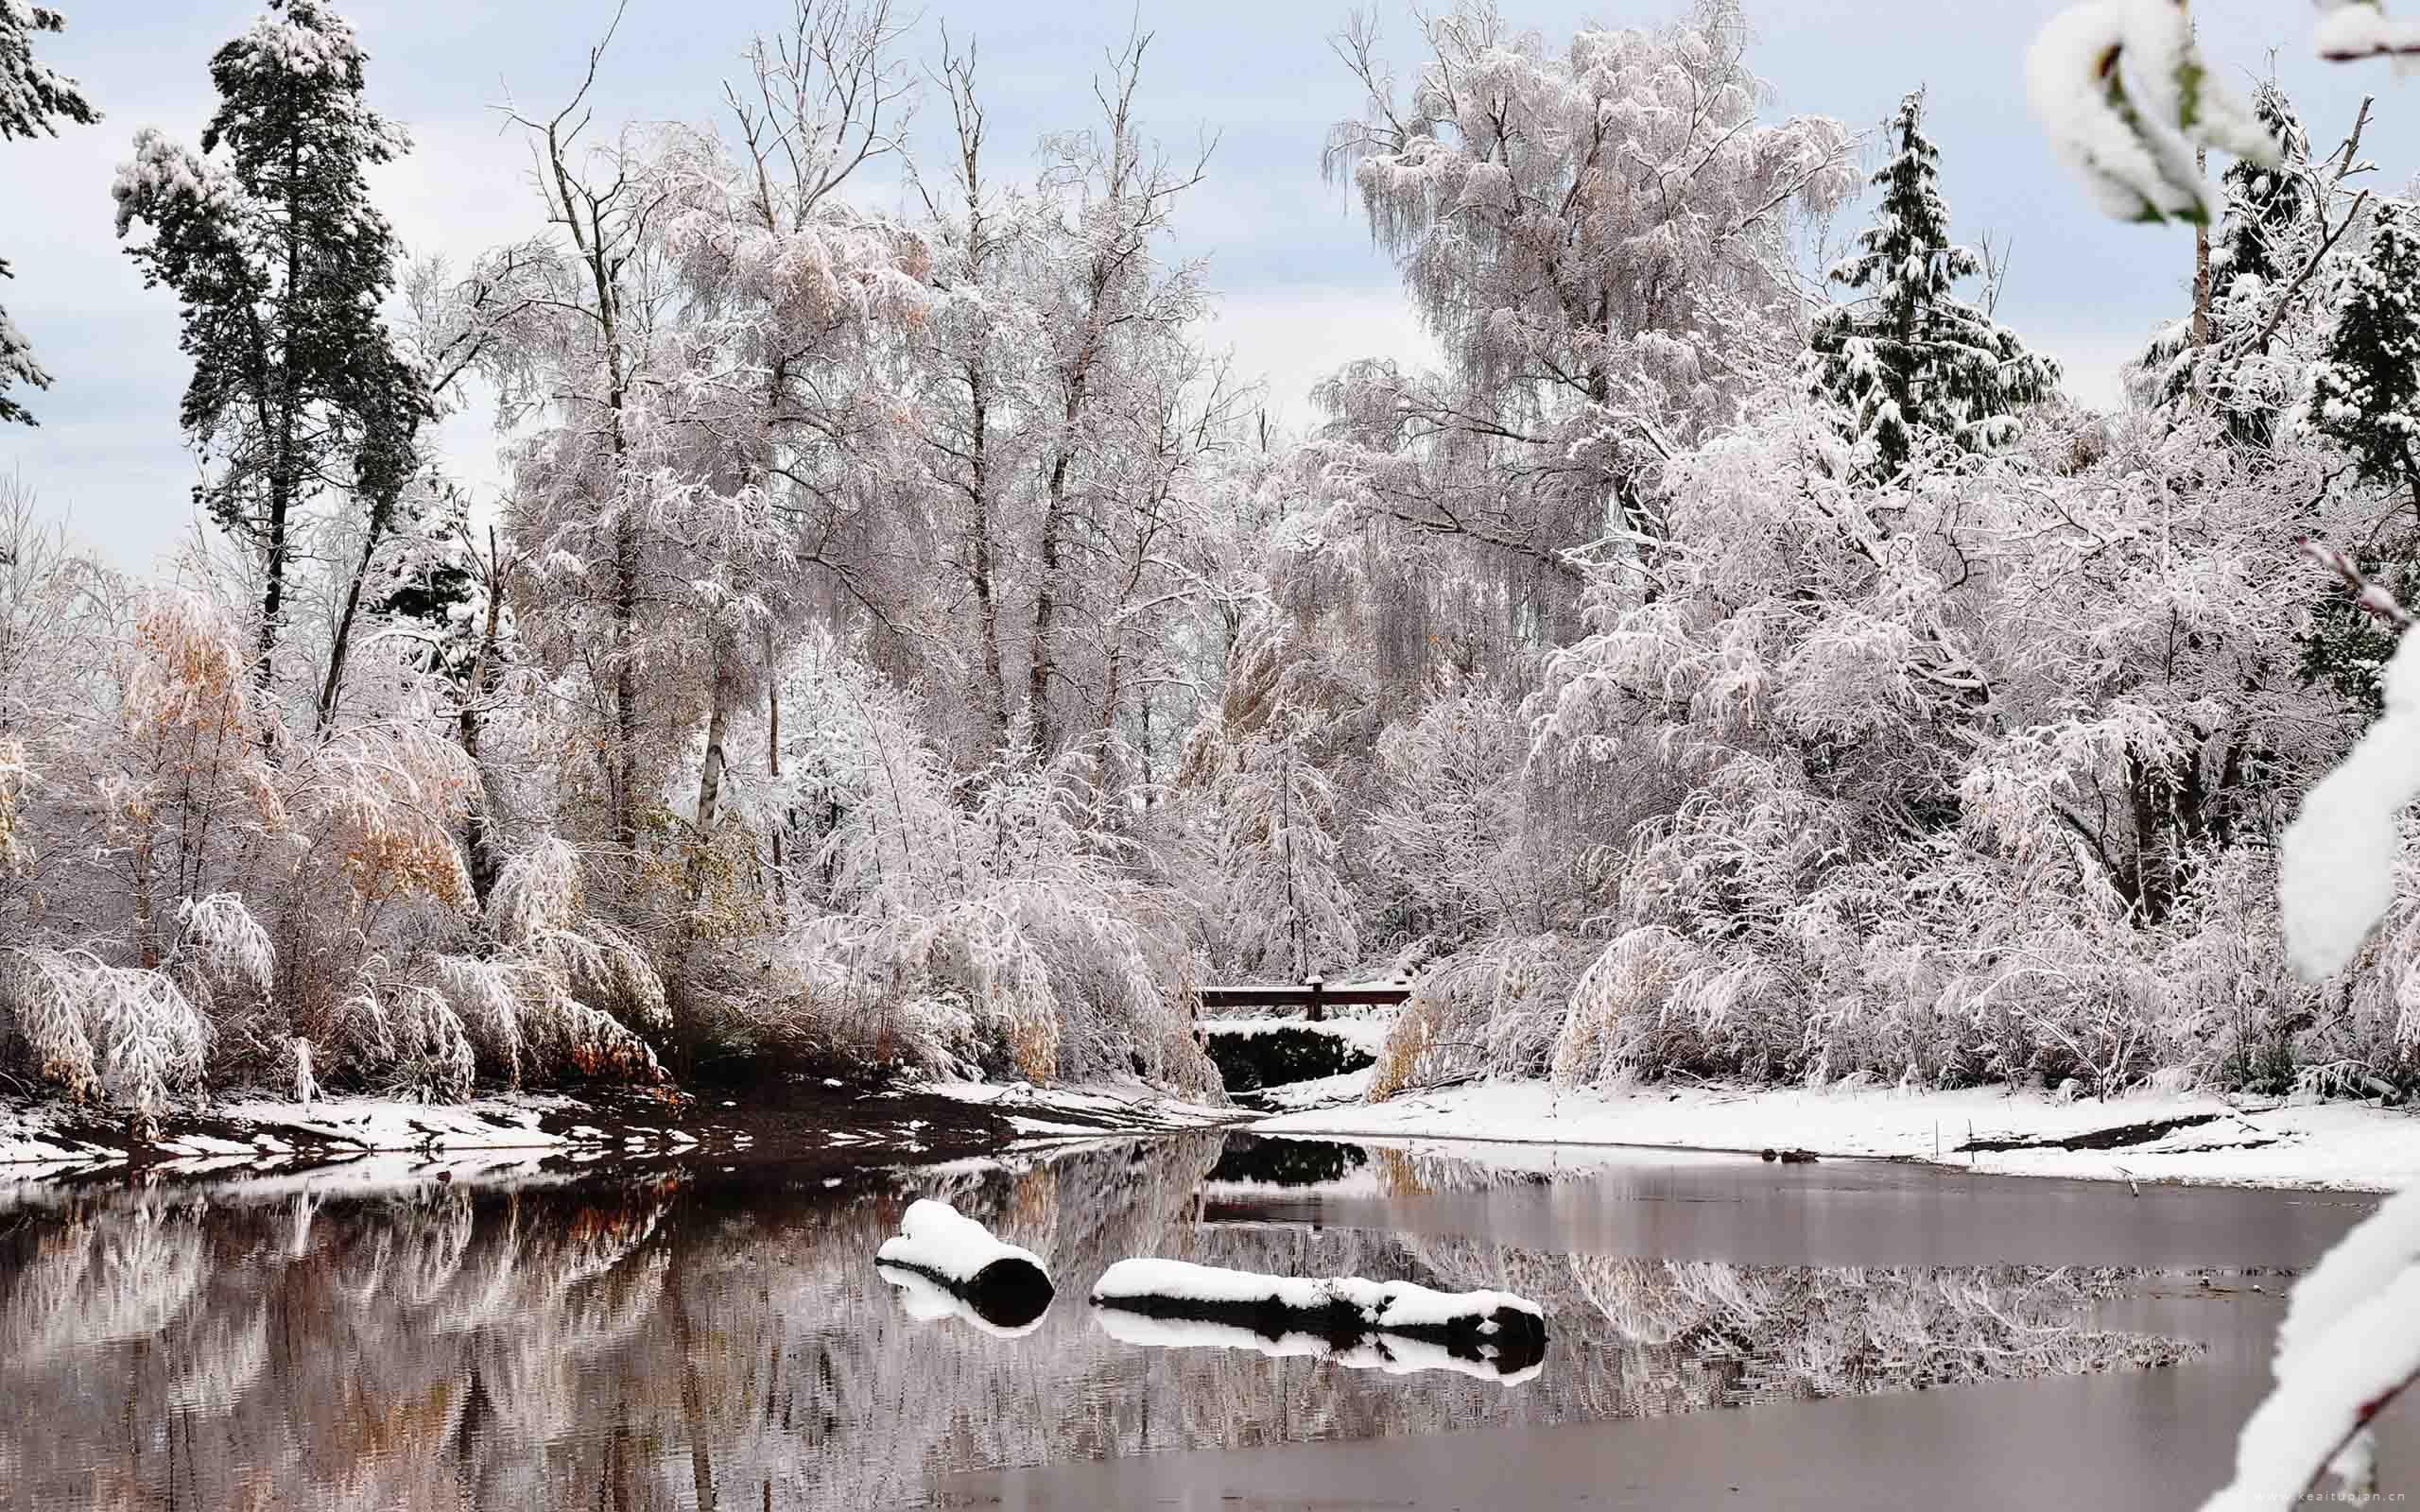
(1006, 1298)
(1000, 1284)
(1343, 1312)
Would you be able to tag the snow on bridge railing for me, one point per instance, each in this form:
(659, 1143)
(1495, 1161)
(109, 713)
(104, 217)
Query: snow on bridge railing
(1315, 996)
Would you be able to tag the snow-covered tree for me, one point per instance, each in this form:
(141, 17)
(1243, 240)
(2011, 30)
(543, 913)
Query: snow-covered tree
(282, 262)
(32, 97)
(2365, 393)
(1599, 237)
(2264, 204)
(1909, 357)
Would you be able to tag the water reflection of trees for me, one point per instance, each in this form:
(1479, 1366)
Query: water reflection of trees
(662, 1345)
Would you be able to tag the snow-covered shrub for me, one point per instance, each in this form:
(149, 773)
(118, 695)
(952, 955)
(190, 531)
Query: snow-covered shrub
(1450, 842)
(1962, 766)
(122, 1033)
(1492, 1009)
(1002, 926)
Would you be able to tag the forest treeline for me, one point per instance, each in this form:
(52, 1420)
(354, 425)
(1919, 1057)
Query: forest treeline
(902, 641)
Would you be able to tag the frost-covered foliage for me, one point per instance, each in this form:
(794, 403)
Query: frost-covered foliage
(1910, 355)
(1962, 767)
(1598, 235)
(2365, 391)
(896, 646)
(32, 97)
(1002, 925)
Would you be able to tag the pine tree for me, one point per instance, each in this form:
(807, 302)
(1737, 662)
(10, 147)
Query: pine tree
(1910, 357)
(2365, 396)
(2264, 205)
(30, 96)
(2262, 238)
(282, 262)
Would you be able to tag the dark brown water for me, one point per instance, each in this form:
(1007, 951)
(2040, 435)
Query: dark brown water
(1723, 1332)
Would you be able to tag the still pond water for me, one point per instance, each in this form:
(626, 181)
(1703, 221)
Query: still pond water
(1721, 1332)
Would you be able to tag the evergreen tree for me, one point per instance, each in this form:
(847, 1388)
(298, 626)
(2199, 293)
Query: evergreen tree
(2262, 238)
(2264, 205)
(2365, 394)
(1910, 355)
(282, 262)
(30, 96)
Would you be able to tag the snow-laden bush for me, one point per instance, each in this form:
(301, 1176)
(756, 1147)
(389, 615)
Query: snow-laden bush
(1493, 1009)
(1003, 926)
(1965, 768)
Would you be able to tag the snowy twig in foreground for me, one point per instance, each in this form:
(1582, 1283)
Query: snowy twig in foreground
(2347, 1348)
(2126, 97)
(2349, 1344)
(2124, 92)
(2355, 29)
(2336, 861)
(2372, 597)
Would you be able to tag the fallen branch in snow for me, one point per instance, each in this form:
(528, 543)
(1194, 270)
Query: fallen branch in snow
(1002, 1287)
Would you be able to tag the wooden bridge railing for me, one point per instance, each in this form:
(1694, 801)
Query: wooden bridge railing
(1317, 997)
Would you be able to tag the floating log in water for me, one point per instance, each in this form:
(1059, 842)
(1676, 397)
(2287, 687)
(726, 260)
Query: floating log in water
(1394, 1354)
(1000, 1286)
(1344, 1316)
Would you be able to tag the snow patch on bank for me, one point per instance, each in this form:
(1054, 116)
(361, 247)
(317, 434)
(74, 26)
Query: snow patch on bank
(2337, 1145)
(1050, 1112)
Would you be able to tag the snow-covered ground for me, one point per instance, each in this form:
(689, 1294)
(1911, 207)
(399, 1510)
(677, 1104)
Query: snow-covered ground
(38, 1135)
(1323, 1091)
(2335, 1144)
(1083, 1112)
(58, 1133)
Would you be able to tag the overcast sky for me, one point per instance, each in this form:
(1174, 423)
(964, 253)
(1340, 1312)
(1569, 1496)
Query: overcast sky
(1300, 288)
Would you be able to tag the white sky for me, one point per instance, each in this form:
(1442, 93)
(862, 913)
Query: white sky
(1301, 289)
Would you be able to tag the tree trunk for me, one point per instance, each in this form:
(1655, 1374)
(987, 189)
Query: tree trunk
(281, 497)
(626, 693)
(996, 690)
(710, 780)
(1046, 599)
(2202, 267)
(480, 826)
(343, 643)
(773, 769)
(146, 912)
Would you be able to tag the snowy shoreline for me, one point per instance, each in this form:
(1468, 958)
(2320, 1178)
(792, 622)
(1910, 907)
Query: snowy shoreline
(821, 1121)
(2189, 1138)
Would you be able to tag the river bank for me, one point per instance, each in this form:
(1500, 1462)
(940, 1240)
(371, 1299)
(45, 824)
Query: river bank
(2147, 1137)
(804, 1123)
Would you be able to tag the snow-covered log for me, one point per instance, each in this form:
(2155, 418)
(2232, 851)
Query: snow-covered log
(1395, 1355)
(1344, 1314)
(1001, 1286)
